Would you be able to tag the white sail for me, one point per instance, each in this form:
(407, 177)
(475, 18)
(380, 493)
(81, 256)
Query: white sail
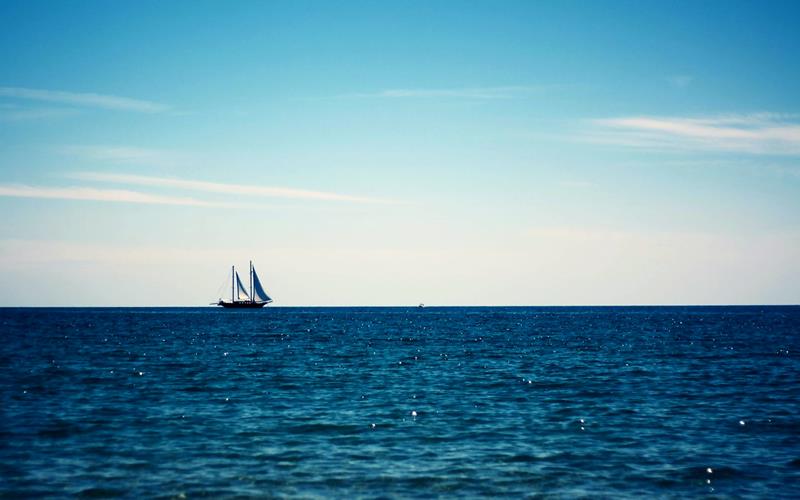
(258, 291)
(241, 290)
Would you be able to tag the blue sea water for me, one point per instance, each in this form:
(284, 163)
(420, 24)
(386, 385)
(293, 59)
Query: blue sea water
(637, 402)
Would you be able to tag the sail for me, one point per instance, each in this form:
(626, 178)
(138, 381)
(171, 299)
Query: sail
(258, 290)
(241, 290)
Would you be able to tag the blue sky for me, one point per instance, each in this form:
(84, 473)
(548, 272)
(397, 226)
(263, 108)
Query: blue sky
(400, 152)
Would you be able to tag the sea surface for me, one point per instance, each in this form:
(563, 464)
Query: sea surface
(596, 402)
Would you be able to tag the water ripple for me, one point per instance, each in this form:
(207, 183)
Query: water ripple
(667, 402)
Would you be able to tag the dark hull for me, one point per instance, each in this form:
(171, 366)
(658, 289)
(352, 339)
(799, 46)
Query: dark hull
(242, 305)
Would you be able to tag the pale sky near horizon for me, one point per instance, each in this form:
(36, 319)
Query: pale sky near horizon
(391, 153)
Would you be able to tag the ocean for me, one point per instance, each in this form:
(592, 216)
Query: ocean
(561, 402)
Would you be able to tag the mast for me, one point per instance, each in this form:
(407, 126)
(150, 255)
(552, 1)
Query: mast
(233, 283)
(252, 299)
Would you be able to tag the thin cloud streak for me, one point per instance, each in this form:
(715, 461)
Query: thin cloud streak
(759, 133)
(93, 194)
(90, 100)
(506, 92)
(17, 113)
(680, 81)
(215, 187)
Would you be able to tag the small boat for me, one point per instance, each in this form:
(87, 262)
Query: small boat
(240, 299)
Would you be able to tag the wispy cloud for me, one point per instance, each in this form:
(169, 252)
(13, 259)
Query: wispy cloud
(127, 154)
(92, 194)
(758, 133)
(90, 100)
(224, 188)
(680, 81)
(13, 112)
(505, 92)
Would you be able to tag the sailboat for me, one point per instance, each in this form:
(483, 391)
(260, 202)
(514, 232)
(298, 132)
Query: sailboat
(239, 296)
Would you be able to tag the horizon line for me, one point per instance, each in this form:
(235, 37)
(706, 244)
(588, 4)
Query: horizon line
(401, 306)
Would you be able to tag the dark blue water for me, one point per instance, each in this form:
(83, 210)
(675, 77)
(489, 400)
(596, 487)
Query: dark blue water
(393, 402)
